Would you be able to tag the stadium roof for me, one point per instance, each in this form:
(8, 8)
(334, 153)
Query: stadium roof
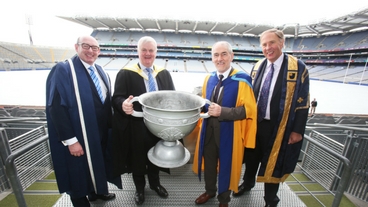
(357, 21)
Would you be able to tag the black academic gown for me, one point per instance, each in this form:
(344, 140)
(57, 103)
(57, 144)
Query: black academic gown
(131, 138)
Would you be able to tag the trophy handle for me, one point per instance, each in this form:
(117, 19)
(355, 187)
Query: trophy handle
(205, 115)
(136, 113)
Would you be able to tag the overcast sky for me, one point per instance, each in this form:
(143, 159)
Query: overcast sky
(48, 30)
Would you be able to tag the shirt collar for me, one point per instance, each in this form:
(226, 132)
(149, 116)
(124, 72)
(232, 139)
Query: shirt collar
(144, 67)
(86, 65)
(277, 63)
(225, 74)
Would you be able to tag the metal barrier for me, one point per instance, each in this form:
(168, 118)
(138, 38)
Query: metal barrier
(12, 171)
(311, 166)
(336, 162)
(26, 159)
(4, 151)
(26, 123)
(11, 129)
(328, 156)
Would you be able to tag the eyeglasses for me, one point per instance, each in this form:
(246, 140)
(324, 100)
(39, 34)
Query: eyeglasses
(87, 46)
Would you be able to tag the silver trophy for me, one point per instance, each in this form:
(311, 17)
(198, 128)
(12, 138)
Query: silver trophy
(170, 115)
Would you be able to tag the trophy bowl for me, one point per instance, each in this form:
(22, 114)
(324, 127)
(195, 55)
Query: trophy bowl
(170, 115)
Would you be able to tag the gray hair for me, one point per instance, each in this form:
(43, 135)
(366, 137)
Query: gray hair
(146, 39)
(226, 44)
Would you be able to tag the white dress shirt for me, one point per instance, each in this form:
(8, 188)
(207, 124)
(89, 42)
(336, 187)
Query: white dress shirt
(277, 66)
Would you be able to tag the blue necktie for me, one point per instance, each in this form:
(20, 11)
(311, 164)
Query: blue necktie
(96, 82)
(263, 95)
(151, 80)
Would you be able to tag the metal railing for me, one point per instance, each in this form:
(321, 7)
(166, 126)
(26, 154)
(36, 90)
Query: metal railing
(345, 174)
(338, 166)
(26, 159)
(332, 161)
(12, 172)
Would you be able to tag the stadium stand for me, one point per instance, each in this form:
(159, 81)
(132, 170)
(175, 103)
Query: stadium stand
(340, 58)
(28, 57)
(334, 42)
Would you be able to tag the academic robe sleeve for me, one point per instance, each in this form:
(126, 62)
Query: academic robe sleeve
(58, 105)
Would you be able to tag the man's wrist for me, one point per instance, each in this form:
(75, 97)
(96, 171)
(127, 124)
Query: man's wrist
(70, 141)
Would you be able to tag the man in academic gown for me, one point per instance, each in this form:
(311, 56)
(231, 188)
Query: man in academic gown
(132, 140)
(282, 120)
(230, 127)
(79, 133)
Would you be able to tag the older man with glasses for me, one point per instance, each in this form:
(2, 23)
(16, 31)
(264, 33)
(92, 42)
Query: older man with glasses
(78, 109)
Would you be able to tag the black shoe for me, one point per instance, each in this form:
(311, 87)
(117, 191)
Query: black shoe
(161, 191)
(272, 203)
(106, 197)
(139, 197)
(241, 190)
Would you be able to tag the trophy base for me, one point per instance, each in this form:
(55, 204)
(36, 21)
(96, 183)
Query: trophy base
(168, 154)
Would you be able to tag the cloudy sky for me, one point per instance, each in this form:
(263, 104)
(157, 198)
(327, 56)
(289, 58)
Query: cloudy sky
(49, 30)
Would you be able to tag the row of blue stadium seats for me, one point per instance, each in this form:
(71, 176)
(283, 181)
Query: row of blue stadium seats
(335, 42)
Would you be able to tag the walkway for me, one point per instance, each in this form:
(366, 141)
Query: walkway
(184, 187)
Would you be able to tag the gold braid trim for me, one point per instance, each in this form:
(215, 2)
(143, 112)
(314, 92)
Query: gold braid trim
(255, 69)
(304, 76)
(290, 88)
(272, 179)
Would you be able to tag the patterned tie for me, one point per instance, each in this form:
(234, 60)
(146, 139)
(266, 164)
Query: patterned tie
(218, 86)
(263, 96)
(151, 80)
(96, 82)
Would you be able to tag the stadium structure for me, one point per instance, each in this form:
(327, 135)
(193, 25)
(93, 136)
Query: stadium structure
(334, 50)
(334, 155)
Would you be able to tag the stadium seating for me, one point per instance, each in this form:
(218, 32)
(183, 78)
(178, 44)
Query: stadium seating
(334, 42)
(329, 58)
(28, 57)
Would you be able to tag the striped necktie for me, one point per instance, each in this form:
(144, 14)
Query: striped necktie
(151, 80)
(96, 82)
(263, 95)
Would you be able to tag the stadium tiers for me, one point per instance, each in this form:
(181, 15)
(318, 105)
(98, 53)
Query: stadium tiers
(353, 21)
(338, 58)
